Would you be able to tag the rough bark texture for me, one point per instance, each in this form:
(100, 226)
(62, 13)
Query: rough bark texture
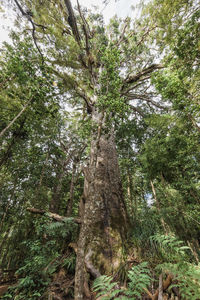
(103, 229)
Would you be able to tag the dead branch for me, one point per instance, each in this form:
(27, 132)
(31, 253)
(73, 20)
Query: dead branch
(146, 71)
(133, 96)
(137, 110)
(160, 293)
(165, 284)
(54, 216)
(27, 15)
(122, 34)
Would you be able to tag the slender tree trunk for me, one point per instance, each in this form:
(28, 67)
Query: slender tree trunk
(8, 204)
(194, 252)
(17, 135)
(104, 221)
(71, 193)
(55, 201)
(15, 118)
(132, 199)
(164, 225)
(160, 293)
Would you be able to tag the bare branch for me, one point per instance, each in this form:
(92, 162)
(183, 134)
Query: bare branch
(146, 71)
(54, 216)
(122, 34)
(145, 34)
(140, 81)
(137, 110)
(33, 27)
(132, 96)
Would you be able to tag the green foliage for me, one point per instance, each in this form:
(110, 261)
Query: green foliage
(66, 229)
(171, 248)
(186, 276)
(70, 263)
(41, 260)
(155, 145)
(106, 288)
(139, 279)
(109, 97)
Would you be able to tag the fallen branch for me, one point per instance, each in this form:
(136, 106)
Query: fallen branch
(54, 216)
(166, 283)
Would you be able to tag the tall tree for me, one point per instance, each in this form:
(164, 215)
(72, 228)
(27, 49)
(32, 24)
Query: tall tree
(103, 70)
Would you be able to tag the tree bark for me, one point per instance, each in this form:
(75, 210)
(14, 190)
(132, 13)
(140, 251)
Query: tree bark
(104, 220)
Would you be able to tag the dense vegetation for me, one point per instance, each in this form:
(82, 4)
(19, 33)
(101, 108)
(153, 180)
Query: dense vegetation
(100, 153)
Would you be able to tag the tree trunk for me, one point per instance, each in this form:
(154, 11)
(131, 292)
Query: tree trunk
(164, 225)
(71, 193)
(132, 199)
(104, 220)
(56, 197)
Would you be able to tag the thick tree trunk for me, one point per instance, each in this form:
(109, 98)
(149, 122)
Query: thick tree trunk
(103, 230)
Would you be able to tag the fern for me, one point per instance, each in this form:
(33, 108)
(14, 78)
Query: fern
(106, 288)
(70, 263)
(187, 275)
(139, 279)
(170, 247)
(63, 229)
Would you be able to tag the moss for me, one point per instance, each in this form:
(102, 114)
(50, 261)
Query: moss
(108, 252)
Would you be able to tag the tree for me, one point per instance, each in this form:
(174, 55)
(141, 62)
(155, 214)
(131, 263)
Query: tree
(105, 74)
(89, 61)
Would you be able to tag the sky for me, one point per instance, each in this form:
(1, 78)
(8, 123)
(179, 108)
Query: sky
(121, 8)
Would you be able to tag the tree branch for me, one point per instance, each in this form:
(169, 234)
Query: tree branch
(122, 34)
(137, 110)
(83, 95)
(33, 27)
(72, 22)
(15, 118)
(136, 77)
(165, 284)
(132, 96)
(54, 216)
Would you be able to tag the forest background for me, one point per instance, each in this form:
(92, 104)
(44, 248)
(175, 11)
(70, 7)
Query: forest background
(99, 162)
